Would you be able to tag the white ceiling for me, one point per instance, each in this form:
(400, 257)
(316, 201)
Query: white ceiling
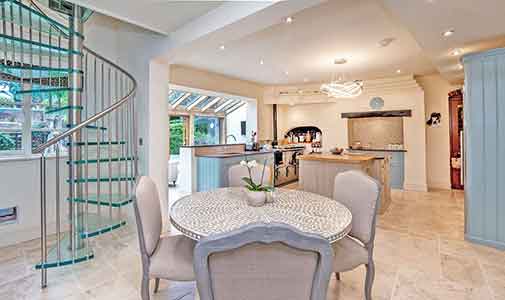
(478, 24)
(162, 16)
(307, 47)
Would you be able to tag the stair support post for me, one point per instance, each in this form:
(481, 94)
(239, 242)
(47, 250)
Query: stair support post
(75, 82)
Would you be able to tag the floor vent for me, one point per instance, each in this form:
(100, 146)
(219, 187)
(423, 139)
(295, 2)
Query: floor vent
(8, 215)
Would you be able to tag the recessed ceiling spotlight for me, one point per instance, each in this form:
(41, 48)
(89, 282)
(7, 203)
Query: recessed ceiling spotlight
(456, 52)
(305, 79)
(398, 71)
(286, 72)
(261, 62)
(221, 47)
(340, 61)
(289, 20)
(386, 42)
(448, 33)
(460, 66)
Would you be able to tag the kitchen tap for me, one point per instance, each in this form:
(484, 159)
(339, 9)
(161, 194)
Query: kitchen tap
(231, 135)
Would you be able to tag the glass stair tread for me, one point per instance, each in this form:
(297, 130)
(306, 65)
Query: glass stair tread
(66, 258)
(18, 45)
(89, 127)
(63, 109)
(114, 200)
(27, 71)
(49, 90)
(105, 179)
(23, 15)
(98, 143)
(95, 224)
(101, 160)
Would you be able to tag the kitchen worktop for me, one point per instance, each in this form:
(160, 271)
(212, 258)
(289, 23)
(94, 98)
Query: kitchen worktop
(377, 149)
(344, 158)
(226, 155)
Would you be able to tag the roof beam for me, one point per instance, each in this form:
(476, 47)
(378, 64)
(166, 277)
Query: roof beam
(225, 104)
(196, 102)
(235, 107)
(211, 103)
(182, 98)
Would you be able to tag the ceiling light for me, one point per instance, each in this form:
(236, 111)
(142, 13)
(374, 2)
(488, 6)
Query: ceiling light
(340, 61)
(456, 52)
(286, 72)
(386, 42)
(348, 89)
(448, 33)
(289, 20)
(221, 47)
(460, 66)
(305, 80)
(398, 71)
(261, 62)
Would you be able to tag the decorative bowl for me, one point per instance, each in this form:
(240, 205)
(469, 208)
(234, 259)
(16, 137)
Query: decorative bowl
(336, 151)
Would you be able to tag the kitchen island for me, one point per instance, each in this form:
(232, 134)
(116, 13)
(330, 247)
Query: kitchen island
(205, 167)
(318, 171)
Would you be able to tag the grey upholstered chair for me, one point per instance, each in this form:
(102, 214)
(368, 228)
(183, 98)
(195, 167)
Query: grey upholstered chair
(166, 257)
(263, 261)
(236, 172)
(360, 194)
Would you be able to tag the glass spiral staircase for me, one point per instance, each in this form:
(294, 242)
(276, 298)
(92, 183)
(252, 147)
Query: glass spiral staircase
(88, 163)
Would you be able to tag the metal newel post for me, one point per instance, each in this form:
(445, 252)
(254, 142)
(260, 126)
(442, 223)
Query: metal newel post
(75, 83)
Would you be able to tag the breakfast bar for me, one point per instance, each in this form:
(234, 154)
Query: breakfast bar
(318, 171)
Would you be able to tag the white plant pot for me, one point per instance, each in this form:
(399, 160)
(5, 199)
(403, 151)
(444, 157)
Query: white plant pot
(255, 198)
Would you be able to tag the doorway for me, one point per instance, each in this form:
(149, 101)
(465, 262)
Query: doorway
(456, 139)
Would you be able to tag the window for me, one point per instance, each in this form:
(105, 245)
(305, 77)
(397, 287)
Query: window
(17, 136)
(178, 133)
(206, 130)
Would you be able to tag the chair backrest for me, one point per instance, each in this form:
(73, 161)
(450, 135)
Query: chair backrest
(148, 214)
(263, 261)
(236, 172)
(360, 194)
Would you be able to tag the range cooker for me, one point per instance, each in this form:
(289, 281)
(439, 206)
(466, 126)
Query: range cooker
(286, 164)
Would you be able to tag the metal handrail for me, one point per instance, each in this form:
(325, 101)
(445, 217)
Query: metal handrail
(97, 116)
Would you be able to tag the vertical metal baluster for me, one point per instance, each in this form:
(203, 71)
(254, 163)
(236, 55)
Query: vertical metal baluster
(58, 224)
(59, 68)
(43, 220)
(135, 138)
(123, 154)
(86, 147)
(116, 82)
(99, 132)
(4, 32)
(109, 148)
(13, 57)
(50, 84)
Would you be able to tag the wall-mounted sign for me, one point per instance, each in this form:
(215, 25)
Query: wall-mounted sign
(434, 120)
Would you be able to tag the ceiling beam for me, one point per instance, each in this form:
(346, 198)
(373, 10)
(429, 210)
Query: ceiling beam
(224, 105)
(196, 102)
(179, 101)
(211, 103)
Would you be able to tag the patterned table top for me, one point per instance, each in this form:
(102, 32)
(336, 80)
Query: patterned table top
(223, 210)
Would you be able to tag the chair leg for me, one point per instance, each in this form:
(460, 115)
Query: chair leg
(370, 276)
(337, 275)
(145, 288)
(156, 285)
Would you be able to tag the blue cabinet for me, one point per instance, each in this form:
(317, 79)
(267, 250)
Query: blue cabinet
(212, 172)
(396, 166)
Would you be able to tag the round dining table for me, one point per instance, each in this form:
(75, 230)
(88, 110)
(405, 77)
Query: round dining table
(222, 210)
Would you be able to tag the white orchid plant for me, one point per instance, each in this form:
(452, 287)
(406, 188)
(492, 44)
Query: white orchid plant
(250, 184)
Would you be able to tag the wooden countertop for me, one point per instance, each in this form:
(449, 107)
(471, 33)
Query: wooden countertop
(351, 159)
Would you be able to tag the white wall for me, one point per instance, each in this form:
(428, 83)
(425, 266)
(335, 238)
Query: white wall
(233, 126)
(436, 90)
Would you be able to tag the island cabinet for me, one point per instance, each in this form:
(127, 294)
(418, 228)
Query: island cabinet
(212, 169)
(318, 171)
(396, 160)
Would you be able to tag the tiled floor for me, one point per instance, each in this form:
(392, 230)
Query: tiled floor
(419, 252)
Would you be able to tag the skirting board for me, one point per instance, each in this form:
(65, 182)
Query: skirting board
(415, 187)
(494, 244)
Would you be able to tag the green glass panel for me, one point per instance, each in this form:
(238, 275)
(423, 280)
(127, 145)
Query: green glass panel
(10, 43)
(20, 14)
(105, 179)
(66, 256)
(102, 160)
(47, 90)
(114, 200)
(27, 71)
(95, 225)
